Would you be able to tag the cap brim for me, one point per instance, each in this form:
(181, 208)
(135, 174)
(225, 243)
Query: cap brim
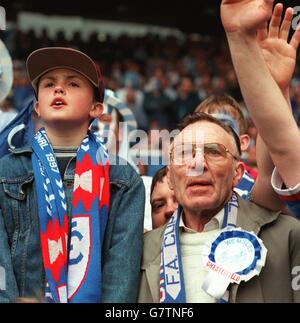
(46, 59)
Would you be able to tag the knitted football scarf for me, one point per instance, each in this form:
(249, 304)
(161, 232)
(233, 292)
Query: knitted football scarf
(72, 275)
(172, 288)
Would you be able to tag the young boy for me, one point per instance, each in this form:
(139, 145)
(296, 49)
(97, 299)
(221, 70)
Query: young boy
(71, 225)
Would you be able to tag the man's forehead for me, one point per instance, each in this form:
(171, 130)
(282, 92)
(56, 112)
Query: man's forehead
(189, 135)
(202, 132)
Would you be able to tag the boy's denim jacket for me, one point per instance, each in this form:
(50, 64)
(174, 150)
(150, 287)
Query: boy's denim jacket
(21, 267)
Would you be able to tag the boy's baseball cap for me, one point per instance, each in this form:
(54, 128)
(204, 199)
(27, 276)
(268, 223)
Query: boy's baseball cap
(46, 59)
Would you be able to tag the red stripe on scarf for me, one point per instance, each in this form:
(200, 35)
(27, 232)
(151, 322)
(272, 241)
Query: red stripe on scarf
(86, 197)
(52, 236)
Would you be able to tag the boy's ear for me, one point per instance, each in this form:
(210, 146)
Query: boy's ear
(37, 108)
(97, 110)
(245, 141)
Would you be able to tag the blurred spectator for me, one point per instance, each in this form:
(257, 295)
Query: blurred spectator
(7, 113)
(186, 101)
(44, 39)
(156, 103)
(135, 99)
(22, 89)
(161, 79)
(132, 76)
(137, 108)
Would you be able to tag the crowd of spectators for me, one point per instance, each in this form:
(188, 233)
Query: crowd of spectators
(160, 79)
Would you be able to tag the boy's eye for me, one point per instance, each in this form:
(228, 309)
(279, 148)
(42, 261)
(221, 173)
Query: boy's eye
(49, 84)
(74, 84)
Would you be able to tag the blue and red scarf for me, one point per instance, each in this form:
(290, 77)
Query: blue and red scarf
(73, 274)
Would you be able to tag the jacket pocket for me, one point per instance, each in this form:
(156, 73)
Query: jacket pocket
(17, 206)
(16, 187)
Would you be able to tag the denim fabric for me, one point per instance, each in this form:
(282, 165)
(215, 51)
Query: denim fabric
(20, 251)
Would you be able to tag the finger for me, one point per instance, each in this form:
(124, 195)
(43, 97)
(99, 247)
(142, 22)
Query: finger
(275, 21)
(286, 24)
(262, 32)
(296, 38)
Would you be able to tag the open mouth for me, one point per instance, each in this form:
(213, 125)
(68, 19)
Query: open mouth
(58, 102)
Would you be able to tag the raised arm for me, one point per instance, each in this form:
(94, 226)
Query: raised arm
(242, 19)
(280, 56)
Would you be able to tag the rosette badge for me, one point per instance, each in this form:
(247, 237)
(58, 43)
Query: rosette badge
(235, 255)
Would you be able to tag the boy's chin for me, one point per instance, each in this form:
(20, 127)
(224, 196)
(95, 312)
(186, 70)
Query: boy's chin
(66, 123)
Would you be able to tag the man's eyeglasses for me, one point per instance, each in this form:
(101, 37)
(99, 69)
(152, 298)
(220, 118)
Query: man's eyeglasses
(183, 154)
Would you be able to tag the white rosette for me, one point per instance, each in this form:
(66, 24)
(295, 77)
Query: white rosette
(234, 255)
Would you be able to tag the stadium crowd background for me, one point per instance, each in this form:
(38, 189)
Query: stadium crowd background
(160, 78)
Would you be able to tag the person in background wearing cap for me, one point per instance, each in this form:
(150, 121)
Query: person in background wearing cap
(71, 217)
(264, 60)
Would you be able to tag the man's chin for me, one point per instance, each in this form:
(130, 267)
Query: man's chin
(201, 203)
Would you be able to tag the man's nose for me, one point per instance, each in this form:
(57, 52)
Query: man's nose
(198, 165)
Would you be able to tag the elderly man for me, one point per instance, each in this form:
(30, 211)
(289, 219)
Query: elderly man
(212, 220)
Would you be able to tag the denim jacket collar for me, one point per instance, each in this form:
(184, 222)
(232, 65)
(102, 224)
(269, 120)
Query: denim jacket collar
(21, 150)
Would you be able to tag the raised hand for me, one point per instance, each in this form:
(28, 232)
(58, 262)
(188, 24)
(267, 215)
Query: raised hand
(245, 15)
(279, 54)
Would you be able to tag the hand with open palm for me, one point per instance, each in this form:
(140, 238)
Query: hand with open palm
(278, 52)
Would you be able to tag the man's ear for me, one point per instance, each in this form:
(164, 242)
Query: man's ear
(245, 141)
(169, 181)
(238, 172)
(96, 110)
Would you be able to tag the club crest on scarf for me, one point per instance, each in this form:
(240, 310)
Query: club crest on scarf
(72, 275)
